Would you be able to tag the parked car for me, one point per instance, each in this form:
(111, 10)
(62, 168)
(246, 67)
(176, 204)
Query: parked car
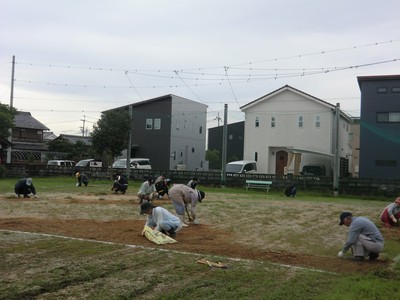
(313, 170)
(61, 163)
(90, 162)
(241, 166)
(135, 163)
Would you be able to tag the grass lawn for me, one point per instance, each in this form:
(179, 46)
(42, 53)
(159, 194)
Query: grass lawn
(56, 264)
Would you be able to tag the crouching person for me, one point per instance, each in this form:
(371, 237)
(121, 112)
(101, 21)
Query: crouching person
(183, 196)
(120, 184)
(365, 239)
(25, 187)
(147, 191)
(161, 219)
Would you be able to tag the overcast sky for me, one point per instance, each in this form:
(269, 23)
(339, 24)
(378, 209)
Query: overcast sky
(77, 58)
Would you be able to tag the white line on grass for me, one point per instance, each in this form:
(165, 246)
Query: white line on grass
(165, 250)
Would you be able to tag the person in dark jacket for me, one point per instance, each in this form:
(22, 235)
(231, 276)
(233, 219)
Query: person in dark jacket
(82, 179)
(120, 184)
(162, 185)
(290, 191)
(25, 187)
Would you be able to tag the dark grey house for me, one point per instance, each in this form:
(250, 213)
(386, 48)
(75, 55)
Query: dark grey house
(170, 131)
(235, 140)
(380, 127)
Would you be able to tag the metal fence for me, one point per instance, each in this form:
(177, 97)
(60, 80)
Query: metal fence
(347, 186)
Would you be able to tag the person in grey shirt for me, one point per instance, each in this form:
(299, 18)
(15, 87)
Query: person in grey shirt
(364, 239)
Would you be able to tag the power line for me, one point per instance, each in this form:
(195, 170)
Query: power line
(159, 71)
(244, 79)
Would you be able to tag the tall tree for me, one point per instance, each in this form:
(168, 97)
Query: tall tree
(213, 157)
(110, 134)
(6, 120)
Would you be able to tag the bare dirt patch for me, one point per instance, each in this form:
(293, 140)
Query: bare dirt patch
(202, 239)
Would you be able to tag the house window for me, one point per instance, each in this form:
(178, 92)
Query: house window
(256, 156)
(300, 121)
(273, 122)
(257, 124)
(149, 124)
(317, 121)
(192, 149)
(396, 89)
(388, 117)
(177, 125)
(381, 90)
(157, 124)
(230, 137)
(201, 129)
(185, 124)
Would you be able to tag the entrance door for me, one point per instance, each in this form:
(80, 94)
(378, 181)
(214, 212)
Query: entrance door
(281, 162)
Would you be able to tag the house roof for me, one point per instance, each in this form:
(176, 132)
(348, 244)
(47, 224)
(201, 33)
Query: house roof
(376, 77)
(164, 97)
(75, 138)
(25, 120)
(296, 91)
(49, 136)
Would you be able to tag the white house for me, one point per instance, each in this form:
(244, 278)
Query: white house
(288, 129)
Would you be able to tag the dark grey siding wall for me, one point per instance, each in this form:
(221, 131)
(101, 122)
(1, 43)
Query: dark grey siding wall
(235, 140)
(153, 144)
(379, 142)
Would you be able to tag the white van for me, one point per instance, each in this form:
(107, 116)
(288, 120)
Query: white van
(61, 163)
(136, 163)
(242, 166)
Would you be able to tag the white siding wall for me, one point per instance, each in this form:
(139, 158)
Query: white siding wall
(188, 119)
(286, 107)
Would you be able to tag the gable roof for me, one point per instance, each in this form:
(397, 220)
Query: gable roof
(76, 138)
(24, 119)
(144, 102)
(296, 91)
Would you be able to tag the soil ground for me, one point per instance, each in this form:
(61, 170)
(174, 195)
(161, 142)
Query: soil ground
(201, 239)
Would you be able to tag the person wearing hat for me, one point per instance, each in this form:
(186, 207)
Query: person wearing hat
(24, 186)
(391, 214)
(147, 191)
(364, 238)
(160, 219)
(82, 179)
(192, 183)
(120, 184)
(162, 185)
(182, 196)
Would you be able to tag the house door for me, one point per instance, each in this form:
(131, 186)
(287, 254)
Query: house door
(281, 162)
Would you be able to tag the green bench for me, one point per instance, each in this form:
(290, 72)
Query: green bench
(258, 184)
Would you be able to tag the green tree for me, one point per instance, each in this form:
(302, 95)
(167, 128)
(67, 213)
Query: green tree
(213, 157)
(110, 134)
(60, 145)
(6, 120)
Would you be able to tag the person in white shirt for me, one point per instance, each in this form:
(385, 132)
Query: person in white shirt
(161, 219)
(147, 191)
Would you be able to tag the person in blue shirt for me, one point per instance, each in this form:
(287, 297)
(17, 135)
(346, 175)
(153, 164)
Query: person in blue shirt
(160, 219)
(364, 238)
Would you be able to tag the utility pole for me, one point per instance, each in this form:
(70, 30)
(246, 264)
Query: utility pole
(218, 118)
(129, 149)
(11, 106)
(83, 127)
(224, 144)
(336, 170)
